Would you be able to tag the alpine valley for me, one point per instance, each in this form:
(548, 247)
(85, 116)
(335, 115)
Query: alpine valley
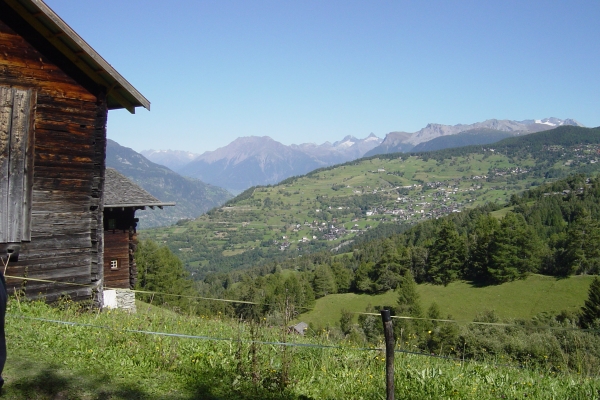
(334, 207)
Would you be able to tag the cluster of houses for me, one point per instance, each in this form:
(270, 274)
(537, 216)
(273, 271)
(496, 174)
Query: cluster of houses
(67, 224)
(324, 230)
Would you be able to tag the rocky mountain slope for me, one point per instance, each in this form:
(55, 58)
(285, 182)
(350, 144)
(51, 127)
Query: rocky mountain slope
(397, 142)
(466, 138)
(251, 161)
(192, 196)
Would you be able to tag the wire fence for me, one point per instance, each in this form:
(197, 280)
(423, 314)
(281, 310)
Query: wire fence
(400, 317)
(259, 342)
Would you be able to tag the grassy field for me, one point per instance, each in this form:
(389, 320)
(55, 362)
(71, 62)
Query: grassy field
(107, 355)
(463, 301)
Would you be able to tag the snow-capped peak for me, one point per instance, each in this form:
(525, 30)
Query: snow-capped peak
(346, 143)
(545, 122)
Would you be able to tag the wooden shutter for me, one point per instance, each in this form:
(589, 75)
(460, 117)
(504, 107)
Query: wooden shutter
(16, 163)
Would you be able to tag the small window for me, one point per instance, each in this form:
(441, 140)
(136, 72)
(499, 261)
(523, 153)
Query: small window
(114, 264)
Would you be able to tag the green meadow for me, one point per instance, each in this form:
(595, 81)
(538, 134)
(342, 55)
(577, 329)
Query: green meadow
(522, 299)
(114, 355)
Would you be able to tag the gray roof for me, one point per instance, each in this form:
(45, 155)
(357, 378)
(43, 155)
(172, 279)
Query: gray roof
(300, 328)
(119, 191)
(120, 93)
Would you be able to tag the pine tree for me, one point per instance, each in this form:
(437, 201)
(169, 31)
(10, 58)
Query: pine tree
(479, 253)
(514, 251)
(582, 250)
(590, 312)
(387, 271)
(408, 306)
(447, 255)
(343, 276)
(324, 281)
(362, 279)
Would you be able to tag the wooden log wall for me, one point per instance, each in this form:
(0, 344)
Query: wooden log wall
(133, 242)
(70, 145)
(125, 224)
(116, 247)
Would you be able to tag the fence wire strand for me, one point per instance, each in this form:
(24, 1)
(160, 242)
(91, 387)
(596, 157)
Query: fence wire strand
(497, 324)
(261, 342)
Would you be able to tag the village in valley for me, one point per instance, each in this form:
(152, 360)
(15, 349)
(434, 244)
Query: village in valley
(330, 208)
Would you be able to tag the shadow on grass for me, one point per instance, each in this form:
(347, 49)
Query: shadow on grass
(482, 283)
(47, 381)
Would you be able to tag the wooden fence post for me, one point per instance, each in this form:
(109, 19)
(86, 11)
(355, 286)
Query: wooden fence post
(388, 331)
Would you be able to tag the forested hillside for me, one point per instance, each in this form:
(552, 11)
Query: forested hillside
(336, 207)
(552, 229)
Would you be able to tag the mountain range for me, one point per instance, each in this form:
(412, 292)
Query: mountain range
(260, 160)
(401, 142)
(251, 161)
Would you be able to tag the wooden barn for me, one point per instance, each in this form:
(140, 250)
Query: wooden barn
(55, 93)
(122, 198)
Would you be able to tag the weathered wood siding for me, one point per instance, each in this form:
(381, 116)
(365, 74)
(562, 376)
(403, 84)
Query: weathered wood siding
(70, 143)
(116, 247)
(124, 227)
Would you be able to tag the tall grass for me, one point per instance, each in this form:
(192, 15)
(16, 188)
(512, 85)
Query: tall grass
(105, 359)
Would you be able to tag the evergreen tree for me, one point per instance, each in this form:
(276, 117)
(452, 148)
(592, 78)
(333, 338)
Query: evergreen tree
(387, 271)
(447, 254)
(479, 252)
(582, 246)
(590, 312)
(418, 262)
(514, 251)
(254, 310)
(324, 281)
(362, 278)
(408, 306)
(343, 277)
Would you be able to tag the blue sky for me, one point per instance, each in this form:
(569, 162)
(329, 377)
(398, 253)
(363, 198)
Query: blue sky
(311, 71)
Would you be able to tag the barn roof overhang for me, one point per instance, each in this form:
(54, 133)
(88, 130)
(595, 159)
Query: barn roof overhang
(120, 93)
(139, 206)
(121, 192)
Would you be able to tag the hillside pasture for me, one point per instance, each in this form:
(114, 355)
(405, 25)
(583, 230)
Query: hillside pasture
(115, 355)
(522, 299)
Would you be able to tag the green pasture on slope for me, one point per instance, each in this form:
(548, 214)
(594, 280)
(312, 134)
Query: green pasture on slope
(463, 301)
(105, 355)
